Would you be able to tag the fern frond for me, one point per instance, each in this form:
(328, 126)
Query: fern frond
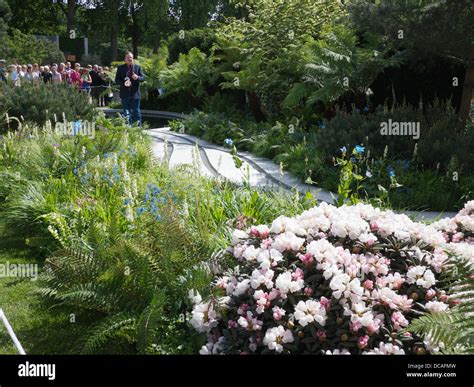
(452, 331)
(148, 322)
(106, 330)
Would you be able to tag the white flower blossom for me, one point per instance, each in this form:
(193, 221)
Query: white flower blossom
(204, 317)
(310, 311)
(276, 337)
(421, 276)
(285, 283)
(436, 306)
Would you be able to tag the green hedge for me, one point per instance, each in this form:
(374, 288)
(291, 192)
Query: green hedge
(444, 139)
(38, 103)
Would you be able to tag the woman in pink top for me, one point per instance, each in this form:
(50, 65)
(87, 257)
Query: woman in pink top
(76, 76)
(62, 71)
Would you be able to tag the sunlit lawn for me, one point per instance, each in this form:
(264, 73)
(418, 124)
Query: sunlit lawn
(38, 328)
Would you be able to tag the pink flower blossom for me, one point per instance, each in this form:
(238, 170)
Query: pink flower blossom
(278, 313)
(242, 309)
(266, 243)
(298, 274)
(307, 259)
(362, 341)
(430, 294)
(373, 327)
(321, 335)
(368, 284)
(355, 326)
(399, 321)
(308, 292)
(260, 231)
(325, 303)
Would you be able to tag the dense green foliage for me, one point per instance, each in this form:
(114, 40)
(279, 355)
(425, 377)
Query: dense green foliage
(37, 103)
(22, 48)
(437, 161)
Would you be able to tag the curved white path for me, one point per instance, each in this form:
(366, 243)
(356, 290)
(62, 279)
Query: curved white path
(216, 161)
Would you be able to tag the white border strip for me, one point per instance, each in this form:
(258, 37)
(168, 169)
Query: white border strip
(18, 346)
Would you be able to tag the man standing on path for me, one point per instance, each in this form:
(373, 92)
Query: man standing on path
(129, 76)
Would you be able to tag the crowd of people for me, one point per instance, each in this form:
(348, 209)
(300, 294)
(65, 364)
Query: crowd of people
(93, 80)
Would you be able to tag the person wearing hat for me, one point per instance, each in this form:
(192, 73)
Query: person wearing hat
(85, 80)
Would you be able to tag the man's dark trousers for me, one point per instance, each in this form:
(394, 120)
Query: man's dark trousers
(131, 110)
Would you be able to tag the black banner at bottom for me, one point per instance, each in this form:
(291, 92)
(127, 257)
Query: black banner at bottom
(222, 370)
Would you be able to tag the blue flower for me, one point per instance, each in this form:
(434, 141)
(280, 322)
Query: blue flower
(153, 188)
(127, 201)
(141, 210)
(391, 174)
(366, 109)
(86, 178)
(359, 149)
(343, 149)
(228, 142)
(75, 171)
(322, 126)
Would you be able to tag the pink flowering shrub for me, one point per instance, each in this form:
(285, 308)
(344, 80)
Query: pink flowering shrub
(459, 229)
(344, 280)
